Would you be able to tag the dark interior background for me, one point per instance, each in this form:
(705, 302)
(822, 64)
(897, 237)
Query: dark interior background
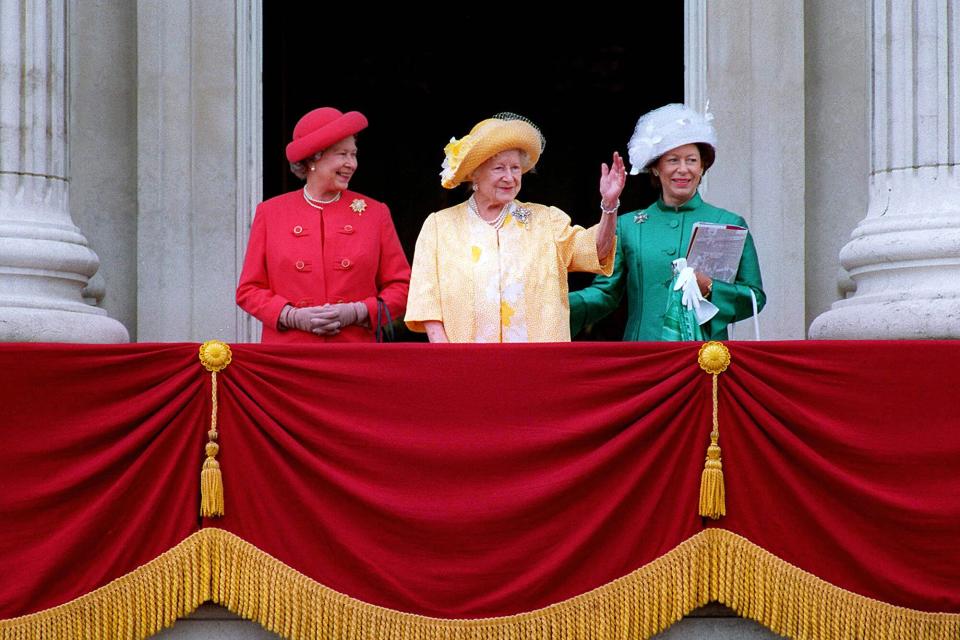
(423, 78)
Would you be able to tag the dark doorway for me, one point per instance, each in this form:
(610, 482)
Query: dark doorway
(422, 79)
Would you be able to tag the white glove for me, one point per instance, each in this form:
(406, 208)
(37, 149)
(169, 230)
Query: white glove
(692, 299)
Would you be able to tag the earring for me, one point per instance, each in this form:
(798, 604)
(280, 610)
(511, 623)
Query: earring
(656, 174)
(474, 187)
(314, 168)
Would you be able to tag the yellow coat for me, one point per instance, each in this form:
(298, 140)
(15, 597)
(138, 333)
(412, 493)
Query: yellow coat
(506, 285)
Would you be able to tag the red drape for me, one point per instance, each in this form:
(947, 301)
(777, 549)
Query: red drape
(843, 458)
(476, 480)
(469, 482)
(99, 448)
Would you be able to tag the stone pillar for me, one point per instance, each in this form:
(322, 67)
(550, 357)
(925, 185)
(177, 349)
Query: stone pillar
(747, 58)
(837, 72)
(102, 75)
(198, 65)
(45, 262)
(904, 257)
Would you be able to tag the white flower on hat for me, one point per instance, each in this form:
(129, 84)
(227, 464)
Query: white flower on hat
(649, 138)
(666, 128)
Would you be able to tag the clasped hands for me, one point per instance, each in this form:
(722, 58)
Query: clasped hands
(325, 320)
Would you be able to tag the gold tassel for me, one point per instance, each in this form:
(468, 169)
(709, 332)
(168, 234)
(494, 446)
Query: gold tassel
(215, 356)
(712, 499)
(211, 484)
(714, 358)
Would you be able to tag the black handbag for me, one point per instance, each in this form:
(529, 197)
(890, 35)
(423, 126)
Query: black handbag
(384, 326)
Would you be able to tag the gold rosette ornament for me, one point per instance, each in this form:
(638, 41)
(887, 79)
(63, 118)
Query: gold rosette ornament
(214, 356)
(714, 358)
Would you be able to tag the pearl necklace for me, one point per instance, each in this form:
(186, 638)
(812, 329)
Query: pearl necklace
(497, 222)
(317, 203)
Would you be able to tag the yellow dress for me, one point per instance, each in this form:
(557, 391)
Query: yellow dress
(499, 285)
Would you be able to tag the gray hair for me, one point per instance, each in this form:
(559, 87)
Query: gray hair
(524, 161)
(300, 169)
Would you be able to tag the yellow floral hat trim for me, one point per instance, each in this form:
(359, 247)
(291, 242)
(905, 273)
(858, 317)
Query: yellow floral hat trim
(487, 139)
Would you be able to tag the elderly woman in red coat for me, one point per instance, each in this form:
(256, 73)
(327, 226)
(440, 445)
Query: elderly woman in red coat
(323, 263)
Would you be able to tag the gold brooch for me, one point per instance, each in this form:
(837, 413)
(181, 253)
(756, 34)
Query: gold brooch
(359, 205)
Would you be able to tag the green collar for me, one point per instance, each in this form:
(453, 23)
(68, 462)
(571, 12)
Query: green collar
(690, 205)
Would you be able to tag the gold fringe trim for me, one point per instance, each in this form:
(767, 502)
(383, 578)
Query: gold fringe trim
(714, 358)
(714, 565)
(137, 605)
(797, 604)
(214, 356)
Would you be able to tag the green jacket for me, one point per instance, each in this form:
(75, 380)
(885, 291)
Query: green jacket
(645, 251)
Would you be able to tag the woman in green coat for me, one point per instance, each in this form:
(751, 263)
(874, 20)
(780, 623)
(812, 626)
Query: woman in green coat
(676, 145)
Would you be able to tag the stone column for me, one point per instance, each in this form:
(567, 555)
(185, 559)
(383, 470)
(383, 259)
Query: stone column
(45, 262)
(198, 66)
(747, 58)
(904, 257)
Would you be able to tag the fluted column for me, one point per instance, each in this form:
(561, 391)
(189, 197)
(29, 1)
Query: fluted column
(904, 257)
(45, 262)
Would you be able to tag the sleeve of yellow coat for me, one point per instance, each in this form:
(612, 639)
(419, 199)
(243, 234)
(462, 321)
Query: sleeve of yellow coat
(578, 246)
(423, 302)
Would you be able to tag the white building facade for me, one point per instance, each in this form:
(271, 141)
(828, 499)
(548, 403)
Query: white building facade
(162, 146)
(131, 133)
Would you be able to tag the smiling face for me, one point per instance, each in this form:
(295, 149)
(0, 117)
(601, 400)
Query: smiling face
(679, 171)
(331, 173)
(497, 181)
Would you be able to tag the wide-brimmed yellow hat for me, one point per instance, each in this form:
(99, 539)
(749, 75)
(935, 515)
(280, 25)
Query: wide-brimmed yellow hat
(489, 137)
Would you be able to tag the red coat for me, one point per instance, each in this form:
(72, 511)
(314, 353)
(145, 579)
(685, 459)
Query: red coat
(300, 256)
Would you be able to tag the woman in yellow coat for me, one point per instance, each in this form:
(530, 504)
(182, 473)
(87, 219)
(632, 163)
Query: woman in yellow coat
(494, 269)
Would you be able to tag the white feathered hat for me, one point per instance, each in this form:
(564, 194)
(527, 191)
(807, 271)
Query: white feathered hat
(666, 128)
